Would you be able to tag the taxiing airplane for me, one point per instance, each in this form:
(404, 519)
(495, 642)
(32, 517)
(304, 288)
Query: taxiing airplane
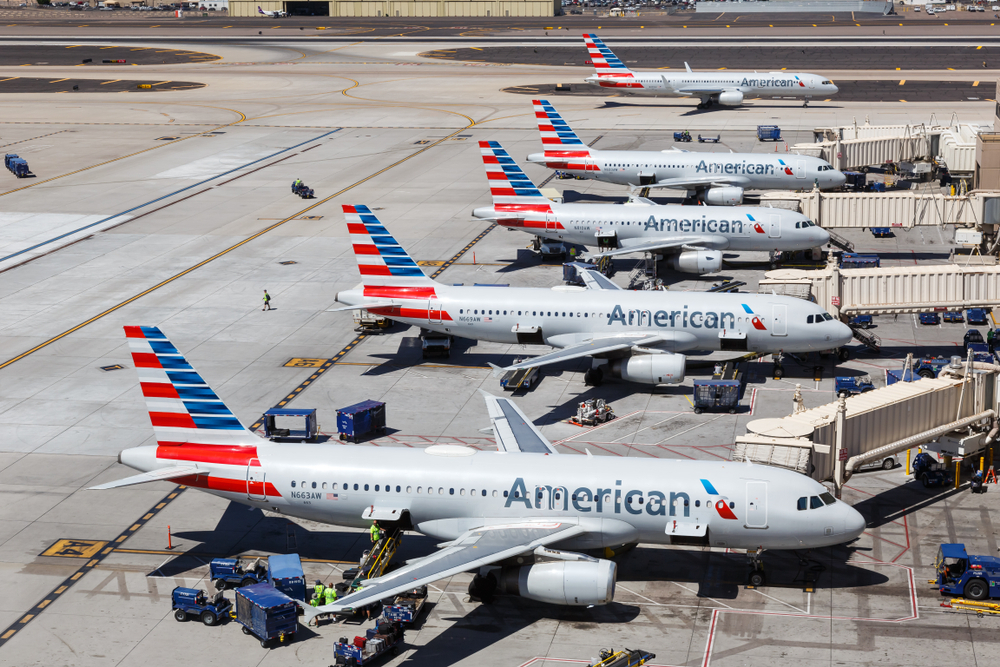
(725, 87)
(715, 178)
(515, 516)
(635, 335)
(691, 235)
(275, 14)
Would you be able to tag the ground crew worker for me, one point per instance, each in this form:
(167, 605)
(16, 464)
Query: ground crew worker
(991, 339)
(375, 532)
(298, 183)
(330, 594)
(318, 589)
(267, 301)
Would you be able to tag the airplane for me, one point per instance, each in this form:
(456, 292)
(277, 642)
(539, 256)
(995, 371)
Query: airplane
(715, 178)
(517, 516)
(691, 235)
(725, 87)
(634, 335)
(275, 14)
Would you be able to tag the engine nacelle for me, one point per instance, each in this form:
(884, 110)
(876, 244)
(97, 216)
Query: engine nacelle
(650, 368)
(697, 261)
(731, 98)
(726, 196)
(573, 583)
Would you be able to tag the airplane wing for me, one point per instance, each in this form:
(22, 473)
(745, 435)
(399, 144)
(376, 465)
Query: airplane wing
(513, 431)
(473, 549)
(153, 476)
(597, 281)
(700, 91)
(699, 182)
(588, 349)
(711, 241)
(362, 306)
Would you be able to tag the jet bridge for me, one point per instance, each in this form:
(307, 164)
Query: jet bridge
(832, 441)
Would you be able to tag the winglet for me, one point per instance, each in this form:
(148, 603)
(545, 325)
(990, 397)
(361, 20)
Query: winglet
(687, 67)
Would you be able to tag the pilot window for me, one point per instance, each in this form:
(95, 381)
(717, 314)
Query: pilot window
(828, 498)
(815, 502)
(809, 319)
(802, 503)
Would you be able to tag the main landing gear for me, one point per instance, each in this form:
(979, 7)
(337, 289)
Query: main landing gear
(705, 103)
(594, 377)
(482, 588)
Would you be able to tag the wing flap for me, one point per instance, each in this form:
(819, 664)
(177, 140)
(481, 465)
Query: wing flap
(699, 182)
(152, 476)
(668, 243)
(598, 281)
(473, 549)
(588, 349)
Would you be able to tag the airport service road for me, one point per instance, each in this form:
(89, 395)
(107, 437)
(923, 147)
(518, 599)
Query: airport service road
(401, 138)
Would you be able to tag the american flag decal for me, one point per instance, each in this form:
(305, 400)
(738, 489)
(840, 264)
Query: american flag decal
(332, 496)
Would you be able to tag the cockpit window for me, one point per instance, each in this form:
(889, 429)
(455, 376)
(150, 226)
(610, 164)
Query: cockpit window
(828, 498)
(815, 502)
(809, 319)
(802, 503)
(827, 316)
(828, 83)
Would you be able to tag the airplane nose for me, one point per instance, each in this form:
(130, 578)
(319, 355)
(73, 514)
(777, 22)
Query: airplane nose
(838, 179)
(484, 212)
(835, 89)
(822, 236)
(854, 523)
(842, 335)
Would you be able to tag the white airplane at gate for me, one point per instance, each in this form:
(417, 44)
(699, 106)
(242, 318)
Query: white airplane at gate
(715, 178)
(691, 236)
(726, 87)
(636, 335)
(516, 516)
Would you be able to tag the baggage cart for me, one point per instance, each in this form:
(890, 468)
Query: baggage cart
(524, 378)
(266, 613)
(709, 140)
(853, 260)
(624, 658)
(716, 395)
(309, 432)
(384, 639)
(768, 133)
(360, 420)
(406, 607)
(367, 322)
(284, 572)
(235, 572)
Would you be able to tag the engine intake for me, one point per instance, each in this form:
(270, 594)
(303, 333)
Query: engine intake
(731, 98)
(724, 196)
(697, 261)
(573, 583)
(650, 368)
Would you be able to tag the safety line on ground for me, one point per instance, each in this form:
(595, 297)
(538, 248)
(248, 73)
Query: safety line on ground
(228, 250)
(91, 563)
(166, 196)
(101, 164)
(15, 143)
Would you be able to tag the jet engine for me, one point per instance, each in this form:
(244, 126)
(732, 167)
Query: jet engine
(573, 583)
(697, 261)
(650, 368)
(725, 196)
(731, 98)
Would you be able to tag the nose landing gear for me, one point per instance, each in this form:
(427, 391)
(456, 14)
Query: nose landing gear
(755, 577)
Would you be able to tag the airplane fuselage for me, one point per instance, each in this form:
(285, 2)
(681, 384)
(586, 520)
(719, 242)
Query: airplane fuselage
(750, 171)
(449, 489)
(566, 316)
(801, 85)
(730, 228)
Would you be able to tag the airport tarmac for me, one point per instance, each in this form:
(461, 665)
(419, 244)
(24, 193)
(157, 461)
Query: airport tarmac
(174, 210)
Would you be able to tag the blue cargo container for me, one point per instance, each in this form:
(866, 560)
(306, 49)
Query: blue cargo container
(284, 572)
(852, 260)
(357, 421)
(768, 133)
(717, 395)
(266, 613)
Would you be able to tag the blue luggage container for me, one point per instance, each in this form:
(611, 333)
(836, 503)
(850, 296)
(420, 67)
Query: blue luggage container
(266, 613)
(357, 421)
(284, 572)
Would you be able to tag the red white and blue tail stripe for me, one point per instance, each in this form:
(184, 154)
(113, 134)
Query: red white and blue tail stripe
(557, 136)
(381, 260)
(516, 200)
(605, 62)
(182, 407)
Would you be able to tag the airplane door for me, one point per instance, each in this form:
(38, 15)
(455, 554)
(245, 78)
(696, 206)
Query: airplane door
(255, 481)
(756, 505)
(589, 164)
(774, 230)
(434, 311)
(800, 169)
(550, 222)
(779, 320)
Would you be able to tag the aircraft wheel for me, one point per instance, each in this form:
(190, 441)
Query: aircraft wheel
(779, 372)
(593, 377)
(180, 615)
(843, 354)
(756, 578)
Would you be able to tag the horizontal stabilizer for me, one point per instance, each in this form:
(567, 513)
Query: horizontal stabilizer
(153, 476)
(362, 306)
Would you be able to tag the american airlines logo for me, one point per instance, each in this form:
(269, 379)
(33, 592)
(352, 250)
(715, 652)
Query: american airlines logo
(702, 224)
(695, 319)
(735, 168)
(772, 83)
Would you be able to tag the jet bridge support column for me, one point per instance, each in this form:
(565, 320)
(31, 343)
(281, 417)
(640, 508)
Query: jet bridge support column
(839, 451)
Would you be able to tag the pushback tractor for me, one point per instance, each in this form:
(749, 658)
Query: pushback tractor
(973, 577)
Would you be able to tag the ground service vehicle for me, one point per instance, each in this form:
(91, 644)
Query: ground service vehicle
(929, 471)
(266, 613)
(682, 136)
(625, 658)
(16, 165)
(768, 133)
(930, 367)
(434, 344)
(976, 316)
(234, 572)
(954, 317)
(973, 577)
(862, 321)
(849, 386)
(192, 603)
(716, 395)
(930, 318)
(852, 260)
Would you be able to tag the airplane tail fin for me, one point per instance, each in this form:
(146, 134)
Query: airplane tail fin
(510, 186)
(381, 260)
(558, 138)
(605, 62)
(182, 407)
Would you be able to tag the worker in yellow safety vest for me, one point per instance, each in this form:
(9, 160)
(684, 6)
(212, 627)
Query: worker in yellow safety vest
(331, 594)
(375, 532)
(318, 590)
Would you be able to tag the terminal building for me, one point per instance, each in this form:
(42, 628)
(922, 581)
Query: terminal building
(399, 8)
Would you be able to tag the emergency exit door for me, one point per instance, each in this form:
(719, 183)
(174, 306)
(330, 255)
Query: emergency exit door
(774, 230)
(800, 169)
(756, 505)
(779, 320)
(434, 311)
(255, 481)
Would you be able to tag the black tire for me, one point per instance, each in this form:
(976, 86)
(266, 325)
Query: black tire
(220, 584)
(976, 589)
(779, 372)
(395, 650)
(926, 374)
(843, 354)
(248, 581)
(888, 464)
(596, 377)
(263, 643)
(180, 615)
(209, 618)
(697, 411)
(245, 629)
(732, 411)
(925, 480)
(756, 578)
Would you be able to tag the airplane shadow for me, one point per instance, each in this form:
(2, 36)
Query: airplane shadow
(900, 501)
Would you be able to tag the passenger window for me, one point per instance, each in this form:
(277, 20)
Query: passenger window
(420, 489)
(440, 490)
(484, 493)
(828, 498)
(461, 492)
(314, 485)
(504, 494)
(451, 492)
(303, 484)
(355, 487)
(409, 489)
(815, 502)
(293, 485)
(366, 487)
(802, 503)
(697, 503)
(397, 488)
(376, 487)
